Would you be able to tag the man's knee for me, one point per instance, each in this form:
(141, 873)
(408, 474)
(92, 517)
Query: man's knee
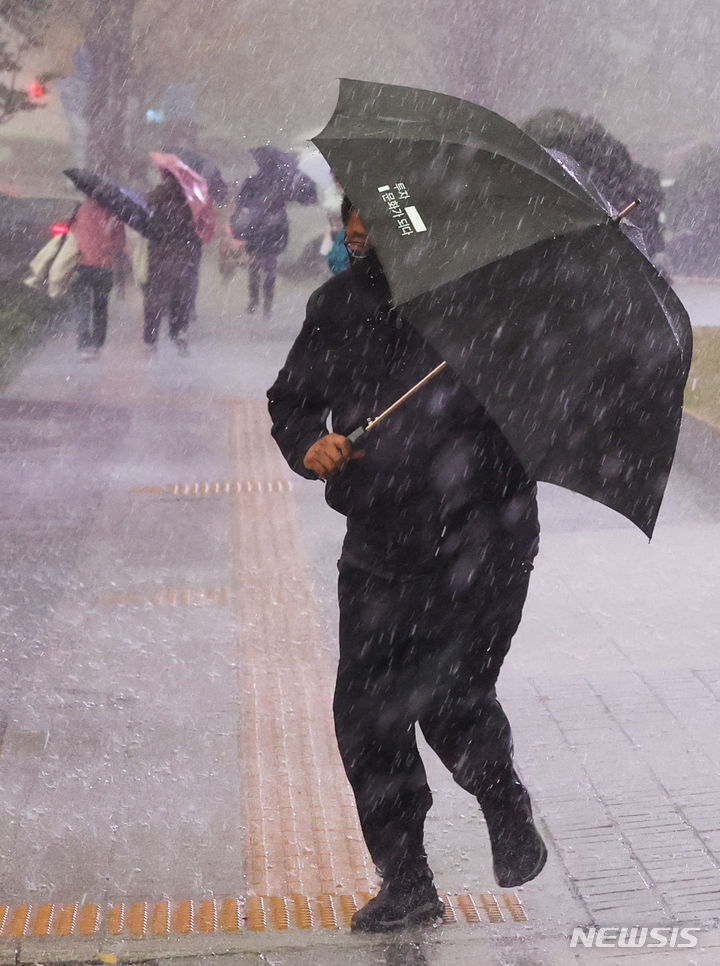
(471, 735)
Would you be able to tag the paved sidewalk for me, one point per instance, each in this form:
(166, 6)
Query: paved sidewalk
(166, 666)
(701, 298)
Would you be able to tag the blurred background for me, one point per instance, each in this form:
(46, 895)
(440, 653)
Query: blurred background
(631, 90)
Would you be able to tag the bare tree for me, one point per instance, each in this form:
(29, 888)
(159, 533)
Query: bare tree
(25, 20)
(109, 41)
(25, 16)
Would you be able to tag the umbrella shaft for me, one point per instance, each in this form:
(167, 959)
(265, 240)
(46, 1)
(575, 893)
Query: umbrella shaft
(626, 210)
(411, 392)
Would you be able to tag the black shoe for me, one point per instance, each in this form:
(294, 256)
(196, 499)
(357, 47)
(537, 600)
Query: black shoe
(407, 900)
(519, 853)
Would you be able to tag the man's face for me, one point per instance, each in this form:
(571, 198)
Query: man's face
(357, 241)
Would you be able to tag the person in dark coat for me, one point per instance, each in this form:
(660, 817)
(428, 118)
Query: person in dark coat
(261, 222)
(174, 251)
(442, 530)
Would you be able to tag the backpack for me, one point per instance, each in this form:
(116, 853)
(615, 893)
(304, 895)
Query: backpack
(243, 222)
(53, 267)
(263, 228)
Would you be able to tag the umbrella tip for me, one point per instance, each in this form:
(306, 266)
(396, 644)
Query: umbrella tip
(626, 210)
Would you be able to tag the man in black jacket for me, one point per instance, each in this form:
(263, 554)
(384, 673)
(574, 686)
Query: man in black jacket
(442, 530)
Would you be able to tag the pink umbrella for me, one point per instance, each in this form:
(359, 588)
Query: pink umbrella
(194, 188)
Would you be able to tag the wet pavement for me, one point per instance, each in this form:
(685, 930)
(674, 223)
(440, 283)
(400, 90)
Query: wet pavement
(168, 778)
(701, 298)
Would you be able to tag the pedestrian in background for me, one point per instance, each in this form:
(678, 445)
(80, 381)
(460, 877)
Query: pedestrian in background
(100, 238)
(260, 221)
(174, 250)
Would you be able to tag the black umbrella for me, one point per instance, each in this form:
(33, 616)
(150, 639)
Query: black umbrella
(126, 205)
(527, 284)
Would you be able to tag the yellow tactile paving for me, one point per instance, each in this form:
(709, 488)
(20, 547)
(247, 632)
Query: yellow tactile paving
(159, 923)
(303, 912)
(183, 920)
(303, 835)
(230, 915)
(116, 919)
(514, 906)
(467, 905)
(43, 920)
(255, 912)
(89, 919)
(449, 914)
(491, 907)
(256, 916)
(279, 912)
(20, 921)
(217, 488)
(137, 919)
(67, 919)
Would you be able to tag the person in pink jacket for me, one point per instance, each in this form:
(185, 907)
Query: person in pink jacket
(99, 236)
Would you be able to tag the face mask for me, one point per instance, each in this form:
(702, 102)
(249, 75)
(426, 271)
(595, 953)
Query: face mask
(357, 254)
(369, 267)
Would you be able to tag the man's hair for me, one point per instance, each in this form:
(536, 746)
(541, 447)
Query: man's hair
(346, 209)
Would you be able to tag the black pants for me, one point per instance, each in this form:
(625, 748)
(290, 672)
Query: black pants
(261, 264)
(172, 289)
(91, 289)
(423, 650)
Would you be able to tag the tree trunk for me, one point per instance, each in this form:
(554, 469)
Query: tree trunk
(109, 39)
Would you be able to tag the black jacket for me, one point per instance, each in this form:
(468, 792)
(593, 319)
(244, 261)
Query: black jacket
(260, 218)
(173, 244)
(437, 467)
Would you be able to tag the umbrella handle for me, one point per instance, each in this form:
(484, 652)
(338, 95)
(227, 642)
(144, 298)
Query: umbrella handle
(357, 434)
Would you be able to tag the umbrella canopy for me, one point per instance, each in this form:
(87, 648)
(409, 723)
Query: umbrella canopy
(194, 188)
(126, 205)
(281, 170)
(522, 279)
(314, 165)
(208, 169)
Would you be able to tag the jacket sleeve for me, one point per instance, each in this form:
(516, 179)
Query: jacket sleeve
(297, 401)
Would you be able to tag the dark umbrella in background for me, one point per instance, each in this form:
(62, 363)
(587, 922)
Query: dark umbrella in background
(127, 206)
(526, 283)
(281, 169)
